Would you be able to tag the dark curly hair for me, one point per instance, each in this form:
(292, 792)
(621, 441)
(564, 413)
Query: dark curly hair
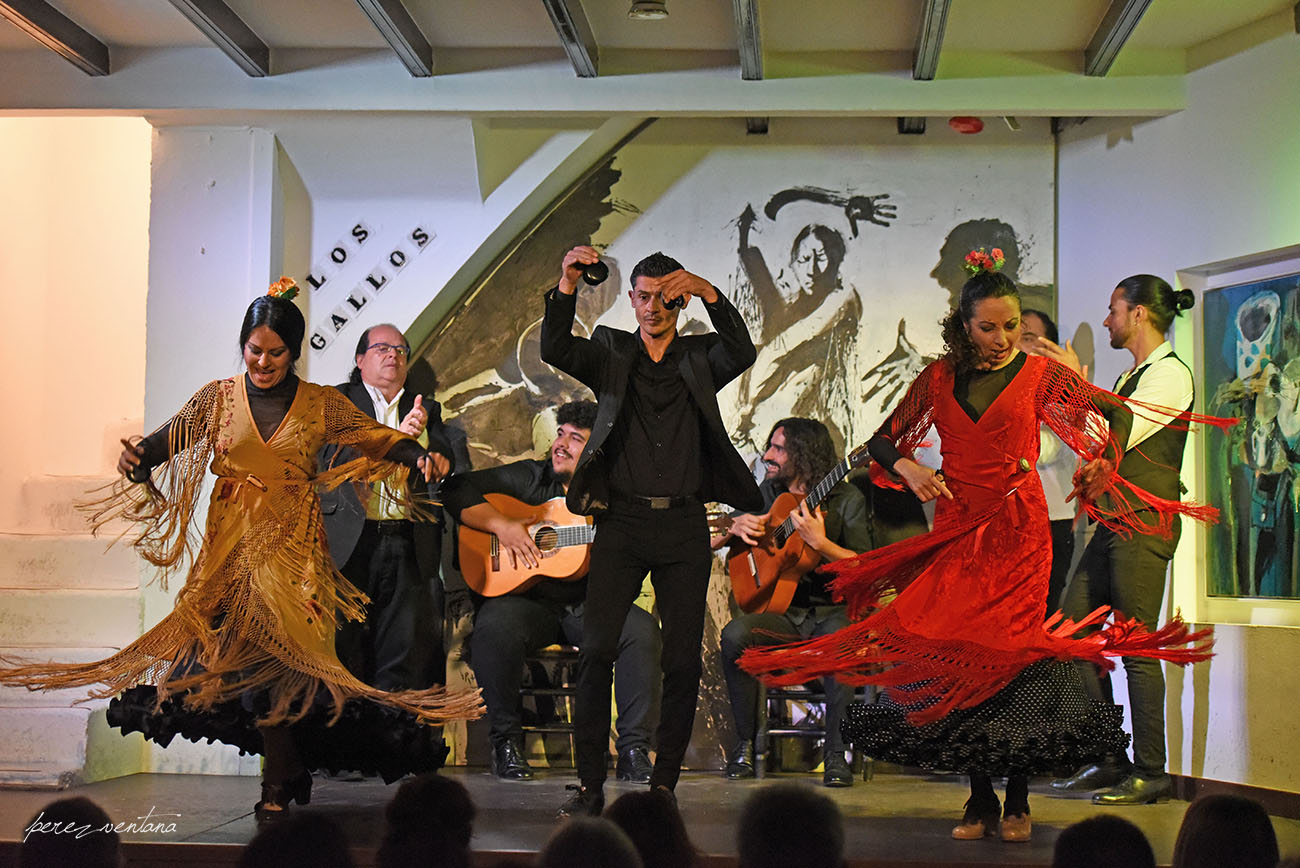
(958, 347)
(579, 414)
(809, 447)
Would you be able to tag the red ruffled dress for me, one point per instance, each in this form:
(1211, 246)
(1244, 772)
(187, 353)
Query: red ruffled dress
(977, 680)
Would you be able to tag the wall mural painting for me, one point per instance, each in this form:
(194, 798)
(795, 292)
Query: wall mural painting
(835, 273)
(1252, 371)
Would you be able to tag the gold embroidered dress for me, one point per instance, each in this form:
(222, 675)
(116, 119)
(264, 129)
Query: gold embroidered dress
(257, 614)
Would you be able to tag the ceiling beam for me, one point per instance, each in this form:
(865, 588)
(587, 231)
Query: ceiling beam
(399, 30)
(748, 39)
(929, 39)
(1116, 27)
(59, 33)
(575, 34)
(228, 32)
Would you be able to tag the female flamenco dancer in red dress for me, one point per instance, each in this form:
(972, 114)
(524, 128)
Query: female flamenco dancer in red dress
(977, 681)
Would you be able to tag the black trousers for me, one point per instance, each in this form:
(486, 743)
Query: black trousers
(1062, 556)
(509, 628)
(1129, 576)
(672, 545)
(400, 644)
(761, 628)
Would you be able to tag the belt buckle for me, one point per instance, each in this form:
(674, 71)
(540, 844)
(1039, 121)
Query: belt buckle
(660, 502)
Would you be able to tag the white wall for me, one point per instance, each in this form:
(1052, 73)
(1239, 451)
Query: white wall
(1214, 182)
(73, 276)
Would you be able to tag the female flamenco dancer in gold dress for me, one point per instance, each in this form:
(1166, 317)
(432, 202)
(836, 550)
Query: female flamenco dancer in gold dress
(247, 655)
(976, 680)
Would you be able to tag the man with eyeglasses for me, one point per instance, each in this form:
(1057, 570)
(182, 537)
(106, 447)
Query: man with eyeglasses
(374, 542)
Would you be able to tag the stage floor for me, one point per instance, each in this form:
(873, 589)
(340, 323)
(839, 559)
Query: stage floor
(893, 820)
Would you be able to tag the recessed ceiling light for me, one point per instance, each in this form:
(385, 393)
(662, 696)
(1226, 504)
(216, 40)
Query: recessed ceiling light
(648, 10)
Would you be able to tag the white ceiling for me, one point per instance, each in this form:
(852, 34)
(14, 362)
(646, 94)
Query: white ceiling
(811, 39)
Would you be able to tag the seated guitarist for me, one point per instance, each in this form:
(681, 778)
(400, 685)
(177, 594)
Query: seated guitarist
(507, 628)
(799, 454)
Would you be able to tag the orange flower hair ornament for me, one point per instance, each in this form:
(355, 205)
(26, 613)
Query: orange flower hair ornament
(286, 289)
(978, 260)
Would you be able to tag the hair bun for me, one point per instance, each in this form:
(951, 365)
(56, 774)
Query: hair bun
(1184, 299)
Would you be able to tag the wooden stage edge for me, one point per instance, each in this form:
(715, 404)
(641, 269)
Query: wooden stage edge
(898, 819)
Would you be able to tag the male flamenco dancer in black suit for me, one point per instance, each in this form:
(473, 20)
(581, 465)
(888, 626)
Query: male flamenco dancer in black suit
(658, 451)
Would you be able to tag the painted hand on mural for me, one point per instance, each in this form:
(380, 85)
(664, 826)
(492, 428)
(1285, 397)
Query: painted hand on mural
(883, 385)
(869, 209)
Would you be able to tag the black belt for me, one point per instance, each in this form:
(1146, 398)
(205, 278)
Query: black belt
(389, 526)
(658, 502)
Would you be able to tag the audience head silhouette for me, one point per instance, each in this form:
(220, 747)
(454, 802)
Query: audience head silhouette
(46, 845)
(298, 841)
(1225, 830)
(653, 823)
(763, 837)
(430, 822)
(588, 842)
(1104, 840)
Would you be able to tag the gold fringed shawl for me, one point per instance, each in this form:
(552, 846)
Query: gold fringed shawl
(260, 601)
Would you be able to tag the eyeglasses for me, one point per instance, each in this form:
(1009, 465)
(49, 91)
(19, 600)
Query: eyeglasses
(385, 349)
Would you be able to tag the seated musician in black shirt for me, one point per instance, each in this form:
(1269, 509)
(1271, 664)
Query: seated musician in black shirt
(799, 455)
(511, 626)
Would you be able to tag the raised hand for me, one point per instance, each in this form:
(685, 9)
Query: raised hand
(683, 283)
(571, 269)
(883, 384)
(1063, 354)
(871, 209)
(413, 424)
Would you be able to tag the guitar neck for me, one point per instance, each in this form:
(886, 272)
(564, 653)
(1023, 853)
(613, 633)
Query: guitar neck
(815, 497)
(575, 535)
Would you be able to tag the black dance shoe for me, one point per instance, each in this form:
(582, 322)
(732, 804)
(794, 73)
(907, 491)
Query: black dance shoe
(836, 771)
(740, 764)
(1106, 773)
(276, 798)
(585, 802)
(509, 763)
(634, 765)
(1137, 789)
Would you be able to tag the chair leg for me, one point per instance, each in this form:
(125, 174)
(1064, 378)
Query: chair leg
(760, 734)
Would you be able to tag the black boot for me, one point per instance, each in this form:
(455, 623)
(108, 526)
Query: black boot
(740, 763)
(585, 802)
(509, 763)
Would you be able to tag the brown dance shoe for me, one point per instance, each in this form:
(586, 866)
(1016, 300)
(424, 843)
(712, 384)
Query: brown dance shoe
(977, 822)
(1015, 828)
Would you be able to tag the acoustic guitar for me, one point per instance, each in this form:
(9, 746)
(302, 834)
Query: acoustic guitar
(764, 576)
(563, 538)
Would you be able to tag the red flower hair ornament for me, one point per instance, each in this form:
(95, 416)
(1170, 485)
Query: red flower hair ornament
(978, 260)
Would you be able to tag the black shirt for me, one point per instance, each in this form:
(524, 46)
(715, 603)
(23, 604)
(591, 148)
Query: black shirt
(655, 447)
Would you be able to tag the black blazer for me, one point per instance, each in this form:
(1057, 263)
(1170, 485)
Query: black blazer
(603, 363)
(342, 509)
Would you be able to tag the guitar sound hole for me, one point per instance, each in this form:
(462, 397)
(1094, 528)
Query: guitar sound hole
(546, 539)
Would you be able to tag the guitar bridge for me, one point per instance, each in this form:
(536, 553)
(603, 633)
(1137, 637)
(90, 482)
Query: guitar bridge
(496, 554)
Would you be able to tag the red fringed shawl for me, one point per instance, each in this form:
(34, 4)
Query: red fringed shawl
(968, 615)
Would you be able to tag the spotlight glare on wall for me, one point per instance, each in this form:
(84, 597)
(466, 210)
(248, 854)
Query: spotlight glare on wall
(648, 10)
